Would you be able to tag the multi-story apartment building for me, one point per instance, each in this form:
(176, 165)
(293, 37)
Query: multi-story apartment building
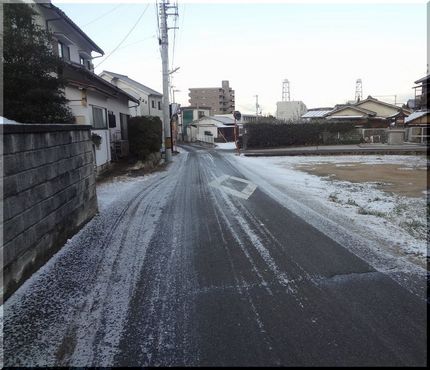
(219, 99)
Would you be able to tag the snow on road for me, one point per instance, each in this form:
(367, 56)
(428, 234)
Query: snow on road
(85, 289)
(110, 191)
(225, 146)
(387, 230)
(129, 274)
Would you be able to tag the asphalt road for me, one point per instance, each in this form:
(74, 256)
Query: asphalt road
(196, 267)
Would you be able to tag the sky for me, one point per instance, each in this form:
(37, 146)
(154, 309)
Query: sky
(321, 48)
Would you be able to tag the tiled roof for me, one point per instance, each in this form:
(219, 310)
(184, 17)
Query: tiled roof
(63, 15)
(92, 76)
(416, 115)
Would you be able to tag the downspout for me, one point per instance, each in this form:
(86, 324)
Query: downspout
(135, 106)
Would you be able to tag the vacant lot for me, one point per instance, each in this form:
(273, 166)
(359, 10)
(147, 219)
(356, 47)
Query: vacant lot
(381, 198)
(410, 181)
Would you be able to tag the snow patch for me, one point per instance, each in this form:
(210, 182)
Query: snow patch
(225, 146)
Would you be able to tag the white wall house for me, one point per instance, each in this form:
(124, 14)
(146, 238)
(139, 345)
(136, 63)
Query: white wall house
(92, 100)
(290, 110)
(151, 101)
(219, 127)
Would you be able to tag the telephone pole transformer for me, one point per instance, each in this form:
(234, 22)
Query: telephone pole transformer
(358, 90)
(164, 49)
(285, 90)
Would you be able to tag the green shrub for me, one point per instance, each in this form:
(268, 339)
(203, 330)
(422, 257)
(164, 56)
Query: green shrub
(144, 135)
(276, 134)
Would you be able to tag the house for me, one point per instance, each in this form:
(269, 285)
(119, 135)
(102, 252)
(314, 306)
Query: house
(422, 92)
(92, 100)
(220, 127)
(350, 112)
(417, 127)
(188, 115)
(369, 112)
(382, 109)
(417, 123)
(151, 101)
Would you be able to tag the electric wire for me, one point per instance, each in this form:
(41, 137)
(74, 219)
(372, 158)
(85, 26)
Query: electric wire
(137, 41)
(174, 38)
(103, 15)
(158, 19)
(125, 38)
(173, 53)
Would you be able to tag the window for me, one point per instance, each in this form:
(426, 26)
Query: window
(153, 103)
(99, 117)
(60, 49)
(82, 61)
(63, 51)
(123, 118)
(159, 105)
(89, 65)
(111, 119)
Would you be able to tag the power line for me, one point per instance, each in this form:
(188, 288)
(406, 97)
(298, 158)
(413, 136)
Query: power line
(103, 15)
(138, 41)
(181, 27)
(125, 38)
(174, 38)
(158, 20)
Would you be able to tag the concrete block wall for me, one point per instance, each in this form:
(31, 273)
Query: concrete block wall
(49, 193)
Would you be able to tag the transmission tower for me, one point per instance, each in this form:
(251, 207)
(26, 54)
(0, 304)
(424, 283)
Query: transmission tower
(358, 90)
(285, 90)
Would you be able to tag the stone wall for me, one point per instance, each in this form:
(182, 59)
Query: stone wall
(49, 193)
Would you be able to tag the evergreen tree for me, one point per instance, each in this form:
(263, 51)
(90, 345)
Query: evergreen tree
(32, 86)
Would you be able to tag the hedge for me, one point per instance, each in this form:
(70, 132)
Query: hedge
(270, 134)
(144, 135)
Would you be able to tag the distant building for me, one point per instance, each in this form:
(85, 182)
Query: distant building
(422, 92)
(417, 123)
(290, 110)
(220, 128)
(369, 112)
(219, 99)
(188, 115)
(245, 118)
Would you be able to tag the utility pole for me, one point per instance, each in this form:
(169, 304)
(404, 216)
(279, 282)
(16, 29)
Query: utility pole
(164, 48)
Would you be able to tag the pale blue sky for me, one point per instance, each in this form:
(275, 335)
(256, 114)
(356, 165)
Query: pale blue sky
(321, 48)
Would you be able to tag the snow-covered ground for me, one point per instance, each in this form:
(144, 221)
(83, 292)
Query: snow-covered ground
(225, 146)
(115, 188)
(391, 223)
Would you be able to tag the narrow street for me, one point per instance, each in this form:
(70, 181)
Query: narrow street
(197, 266)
